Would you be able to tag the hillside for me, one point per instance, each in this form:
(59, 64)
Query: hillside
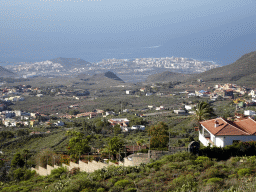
(113, 76)
(167, 76)
(101, 79)
(241, 71)
(70, 62)
(6, 73)
(178, 172)
(107, 76)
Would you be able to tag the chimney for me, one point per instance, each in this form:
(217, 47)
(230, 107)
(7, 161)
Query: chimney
(216, 123)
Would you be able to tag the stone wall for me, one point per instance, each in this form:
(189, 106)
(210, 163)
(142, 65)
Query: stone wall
(86, 167)
(131, 160)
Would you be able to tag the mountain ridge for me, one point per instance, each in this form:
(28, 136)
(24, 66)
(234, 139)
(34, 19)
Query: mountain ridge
(242, 70)
(6, 73)
(167, 76)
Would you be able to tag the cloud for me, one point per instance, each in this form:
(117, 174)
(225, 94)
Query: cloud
(153, 47)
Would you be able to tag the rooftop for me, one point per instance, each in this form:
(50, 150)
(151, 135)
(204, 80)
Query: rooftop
(246, 126)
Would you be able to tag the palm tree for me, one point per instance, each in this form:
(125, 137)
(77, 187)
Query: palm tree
(203, 111)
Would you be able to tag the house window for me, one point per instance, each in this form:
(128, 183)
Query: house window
(236, 141)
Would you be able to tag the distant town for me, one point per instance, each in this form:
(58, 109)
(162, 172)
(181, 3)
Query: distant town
(139, 68)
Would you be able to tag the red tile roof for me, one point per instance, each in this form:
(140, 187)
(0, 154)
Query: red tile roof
(240, 127)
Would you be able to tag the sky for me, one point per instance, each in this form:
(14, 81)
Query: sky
(215, 30)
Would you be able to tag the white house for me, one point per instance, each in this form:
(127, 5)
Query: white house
(59, 123)
(189, 107)
(119, 121)
(249, 112)
(160, 108)
(138, 127)
(10, 122)
(149, 94)
(252, 93)
(220, 132)
(180, 111)
(128, 92)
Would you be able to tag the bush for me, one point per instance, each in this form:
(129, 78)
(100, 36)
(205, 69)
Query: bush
(122, 183)
(131, 190)
(179, 157)
(215, 180)
(243, 172)
(100, 190)
(56, 173)
(201, 159)
(21, 174)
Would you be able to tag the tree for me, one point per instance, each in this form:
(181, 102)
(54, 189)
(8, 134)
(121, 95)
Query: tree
(73, 112)
(114, 145)
(78, 145)
(203, 111)
(159, 135)
(22, 132)
(117, 129)
(25, 152)
(17, 161)
(137, 121)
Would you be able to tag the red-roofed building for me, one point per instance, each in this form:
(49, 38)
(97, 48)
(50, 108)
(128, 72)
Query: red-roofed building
(221, 132)
(123, 122)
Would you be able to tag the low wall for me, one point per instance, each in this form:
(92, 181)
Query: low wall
(132, 160)
(86, 167)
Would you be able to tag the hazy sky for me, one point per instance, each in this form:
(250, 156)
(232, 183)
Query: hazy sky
(36, 30)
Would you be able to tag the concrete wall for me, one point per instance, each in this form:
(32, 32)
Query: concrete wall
(228, 140)
(86, 167)
(41, 171)
(132, 160)
(203, 140)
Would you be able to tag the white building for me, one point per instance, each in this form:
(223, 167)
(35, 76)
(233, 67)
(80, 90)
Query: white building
(189, 107)
(160, 108)
(252, 93)
(128, 92)
(59, 123)
(149, 94)
(10, 122)
(249, 113)
(179, 111)
(220, 132)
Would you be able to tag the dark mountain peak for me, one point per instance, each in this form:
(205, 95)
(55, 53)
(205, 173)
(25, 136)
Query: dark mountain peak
(112, 75)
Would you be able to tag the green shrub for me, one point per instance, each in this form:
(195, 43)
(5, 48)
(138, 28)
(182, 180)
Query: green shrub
(215, 180)
(122, 183)
(131, 190)
(243, 172)
(22, 174)
(179, 157)
(156, 165)
(100, 190)
(56, 173)
(201, 159)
